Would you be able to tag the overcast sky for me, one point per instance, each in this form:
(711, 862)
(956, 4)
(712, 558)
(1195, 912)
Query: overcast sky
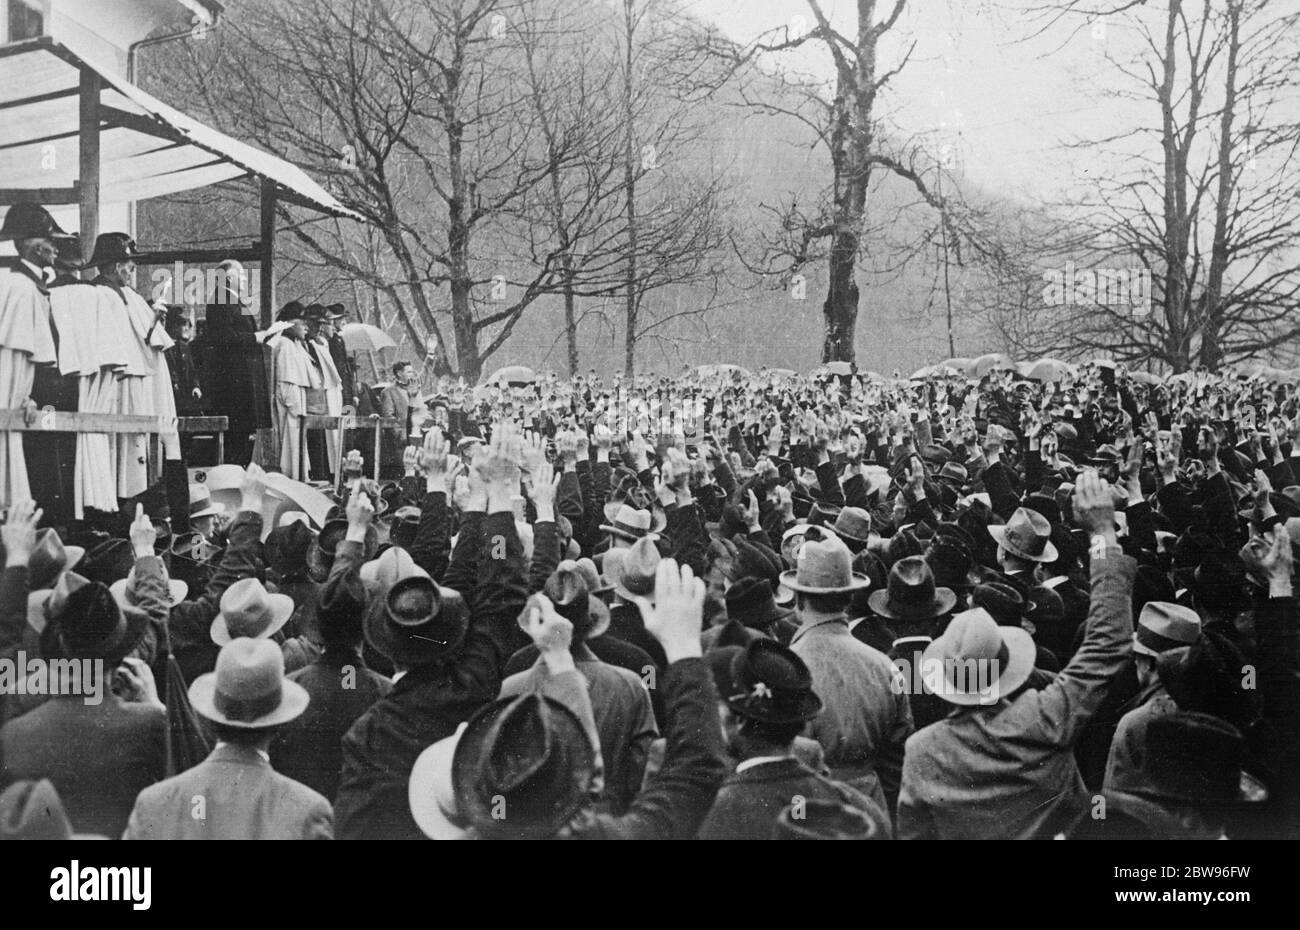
(1010, 101)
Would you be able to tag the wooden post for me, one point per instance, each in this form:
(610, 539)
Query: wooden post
(88, 183)
(378, 433)
(268, 252)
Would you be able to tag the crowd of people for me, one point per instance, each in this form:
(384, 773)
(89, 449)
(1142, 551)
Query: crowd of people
(709, 605)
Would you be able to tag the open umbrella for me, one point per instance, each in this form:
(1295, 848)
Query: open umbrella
(838, 368)
(362, 337)
(1145, 377)
(961, 364)
(513, 375)
(783, 372)
(723, 369)
(933, 371)
(1049, 370)
(986, 363)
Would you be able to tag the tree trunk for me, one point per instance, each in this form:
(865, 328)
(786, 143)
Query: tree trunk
(841, 307)
(629, 179)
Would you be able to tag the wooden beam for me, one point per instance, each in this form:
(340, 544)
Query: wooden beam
(268, 252)
(137, 123)
(88, 129)
(57, 421)
(342, 422)
(251, 253)
(48, 196)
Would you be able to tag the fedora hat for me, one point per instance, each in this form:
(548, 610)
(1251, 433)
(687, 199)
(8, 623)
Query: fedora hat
(320, 554)
(770, 683)
(286, 547)
(248, 610)
(633, 575)
(531, 752)
(1206, 678)
(823, 514)
(953, 473)
(1026, 535)
(568, 589)
(30, 221)
(108, 561)
(853, 523)
(1006, 605)
(44, 604)
(751, 601)
(630, 523)
(90, 624)
(824, 568)
(911, 594)
(113, 247)
(1192, 758)
(431, 794)
(390, 567)
(823, 819)
(33, 810)
(416, 622)
(49, 559)
(1004, 657)
(248, 689)
(595, 583)
(1163, 625)
(335, 311)
(123, 591)
(202, 504)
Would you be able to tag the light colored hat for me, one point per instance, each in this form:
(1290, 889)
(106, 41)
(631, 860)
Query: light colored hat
(1162, 626)
(248, 689)
(249, 610)
(998, 658)
(431, 793)
(202, 504)
(1026, 535)
(394, 564)
(123, 590)
(631, 524)
(824, 567)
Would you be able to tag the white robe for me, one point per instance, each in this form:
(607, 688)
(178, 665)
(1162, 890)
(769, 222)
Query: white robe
(133, 319)
(294, 373)
(333, 385)
(25, 342)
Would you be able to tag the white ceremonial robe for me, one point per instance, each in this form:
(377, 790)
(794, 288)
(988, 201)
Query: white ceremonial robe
(134, 393)
(294, 373)
(333, 385)
(25, 342)
(91, 346)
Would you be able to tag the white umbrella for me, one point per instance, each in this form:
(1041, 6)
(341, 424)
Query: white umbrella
(1050, 369)
(986, 363)
(362, 337)
(514, 375)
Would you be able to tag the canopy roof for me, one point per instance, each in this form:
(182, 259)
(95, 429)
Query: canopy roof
(147, 148)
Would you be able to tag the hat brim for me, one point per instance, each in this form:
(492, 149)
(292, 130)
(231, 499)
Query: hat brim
(808, 707)
(630, 537)
(293, 701)
(431, 778)
(999, 534)
(281, 608)
(1021, 653)
(73, 556)
(136, 620)
(945, 599)
(36, 602)
(1250, 790)
(857, 582)
(176, 592)
(211, 511)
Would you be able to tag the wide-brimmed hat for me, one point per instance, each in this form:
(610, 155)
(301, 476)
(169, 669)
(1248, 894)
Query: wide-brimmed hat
(633, 575)
(249, 610)
(416, 622)
(202, 504)
(770, 683)
(1163, 625)
(390, 567)
(824, 819)
(953, 473)
(123, 591)
(1192, 758)
(1003, 658)
(108, 561)
(911, 594)
(824, 567)
(568, 589)
(30, 221)
(853, 523)
(1026, 535)
(286, 547)
(1005, 604)
(335, 311)
(113, 247)
(248, 689)
(631, 524)
(33, 810)
(49, 559)
(431, 794)
(44, 604)
(530, 753)
(320, 554)
(1206, 678)
(92, 625)
(752, 601)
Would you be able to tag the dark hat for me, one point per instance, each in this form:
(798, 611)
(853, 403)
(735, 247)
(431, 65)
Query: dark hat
(529, 753)
(417, 622)
(756, 560)
(1004, 603)
(721, 657)
(320, 554)
(1192, 758)
(113, 247)
(1206, 678)
(49, 559)
(286, 547)
(750, 600)
(293, 310)
(770, 683)
(950, 560)
(1218, 582)
(30, 221)
(108, 561)
(92, 625)
(911, 594)
(903, 545)
(823, 514)
(953, 473)
(1045, 504)
(335, 311)
(821, 819)
(569, 590)
(315, 312)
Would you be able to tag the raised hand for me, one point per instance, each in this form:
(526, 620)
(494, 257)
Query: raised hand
(677, 614)
(19, 532)
(361, 513)
(1094, 505)
(142, 533)
(252, 490)
(543, 489)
